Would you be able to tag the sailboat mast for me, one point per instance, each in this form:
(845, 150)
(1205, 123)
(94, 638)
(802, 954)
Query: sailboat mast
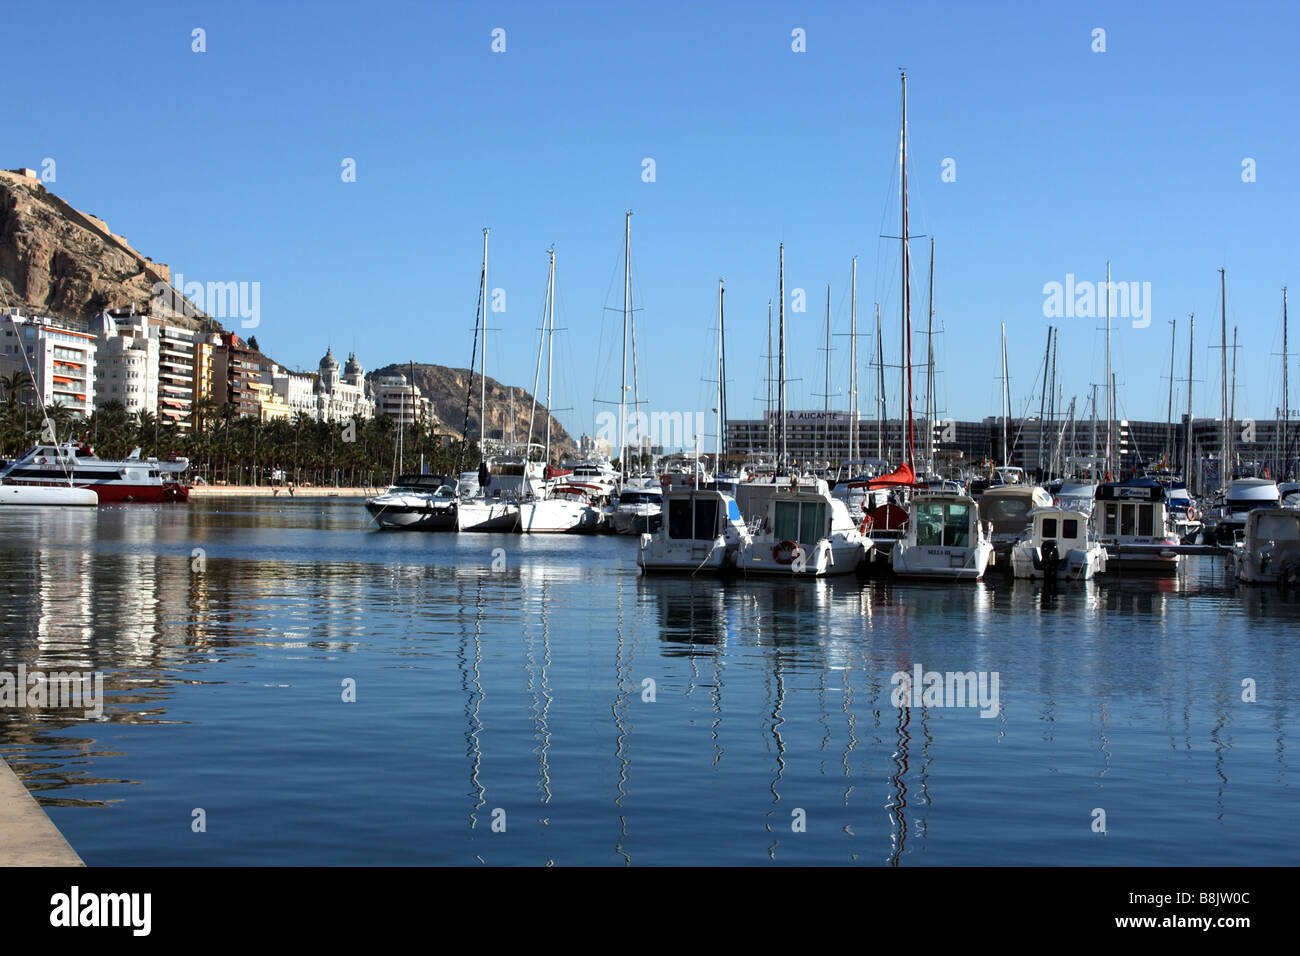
(717, 465)
(907, 289)
(482, 359)
(1285, 434)
(1232, 395)
(771, 424)
(853, 362)
(1169, 417)
(1110, 391)
(1042, 406)
(1187, 452)
(929, 372)
(780, 409)
(550, 348)
(1006, 401)
(880, 389)
(826, 398)
(627, 311)
(1223, 334)
(722, 363)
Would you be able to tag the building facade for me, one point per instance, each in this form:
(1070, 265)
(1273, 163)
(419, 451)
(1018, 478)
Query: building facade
(61, 357)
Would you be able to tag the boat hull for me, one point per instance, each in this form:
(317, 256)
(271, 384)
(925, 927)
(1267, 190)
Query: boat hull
(557, 516)
(479, 517)
(47, 496)
(940, 563)
(411, 516)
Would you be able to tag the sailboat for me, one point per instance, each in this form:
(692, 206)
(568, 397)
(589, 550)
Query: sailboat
(563, 507)
(510, 472)
(943, 536)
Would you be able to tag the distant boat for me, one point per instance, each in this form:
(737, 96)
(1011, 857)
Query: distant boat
(639, 509)
(131, 479)
(1006, 508)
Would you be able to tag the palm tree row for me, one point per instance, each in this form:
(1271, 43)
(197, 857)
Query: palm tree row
(224, 448)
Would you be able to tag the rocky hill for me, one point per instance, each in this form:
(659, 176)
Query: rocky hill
(445, 388)
(58, 261)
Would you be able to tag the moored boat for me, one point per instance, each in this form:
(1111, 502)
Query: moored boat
(416, 503)
(1058, 546)
(1269, 550)
(702, 532)
(945, 539)
(131, 479)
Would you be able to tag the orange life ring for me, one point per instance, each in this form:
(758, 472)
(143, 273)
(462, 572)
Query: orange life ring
(784, 553)
(665, 481)
(1191, 514)
(42, 460)
(866, 524)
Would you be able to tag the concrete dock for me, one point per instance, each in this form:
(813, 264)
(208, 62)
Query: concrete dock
(27, 836)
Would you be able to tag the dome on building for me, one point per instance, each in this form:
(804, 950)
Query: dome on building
(329, 361)
(353, 367)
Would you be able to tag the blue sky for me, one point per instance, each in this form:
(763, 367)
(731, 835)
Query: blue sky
(226, 164)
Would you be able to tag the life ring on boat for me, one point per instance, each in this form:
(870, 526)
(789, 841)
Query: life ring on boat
(665, 481)
(42, 460)
(785, 552)
(1191, 514)
(866, 524)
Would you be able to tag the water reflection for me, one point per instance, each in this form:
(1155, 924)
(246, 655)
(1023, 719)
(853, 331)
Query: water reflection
(772, 696)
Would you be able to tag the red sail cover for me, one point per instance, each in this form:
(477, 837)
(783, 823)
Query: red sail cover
(902, 475)
(551, 472)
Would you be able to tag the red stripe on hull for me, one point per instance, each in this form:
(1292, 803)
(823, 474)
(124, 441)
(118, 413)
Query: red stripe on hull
(127, 494)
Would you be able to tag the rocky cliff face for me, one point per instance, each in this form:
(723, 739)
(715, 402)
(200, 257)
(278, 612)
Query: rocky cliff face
(445, 388)
(58, 261)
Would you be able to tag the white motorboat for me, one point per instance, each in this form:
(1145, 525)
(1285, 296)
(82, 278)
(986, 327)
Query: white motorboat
(1269, 549)
(512, 477)
(702, 532)
(1132, 523)
(1058, 546)
(1006, 508)
(566, 509)
(945, 539)
(113, 480)
(416, 503)
(804, 530)
(639, 509)
(1242, 496)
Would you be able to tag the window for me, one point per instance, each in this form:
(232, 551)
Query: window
(1070, 528)
(679, 518)
(1146, 520)
(1049, 527)
(1127, 519)
(706, 519)
(1109, 524)
(787, 521)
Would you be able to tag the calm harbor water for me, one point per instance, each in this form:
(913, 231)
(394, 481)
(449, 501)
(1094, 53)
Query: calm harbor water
(604, 718)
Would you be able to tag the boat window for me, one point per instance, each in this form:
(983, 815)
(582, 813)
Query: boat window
(787, 521)
(956, 532)
(706, 519)
(1278, 528)
(812, 523)
(1146, 520)
(929, 525)
(679, 518)
(1070, 528)
(1110, 525)
(1127, 519)
(1049, 527)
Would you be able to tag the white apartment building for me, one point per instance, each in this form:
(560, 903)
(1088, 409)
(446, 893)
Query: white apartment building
(400, 399)
(62, 359)
(126, 363)
(295, 389)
